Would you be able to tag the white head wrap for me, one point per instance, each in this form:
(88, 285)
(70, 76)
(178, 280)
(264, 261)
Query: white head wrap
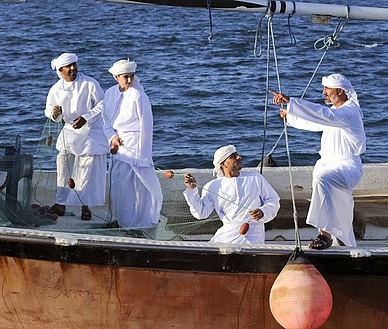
(123, 66)
(339, 81)
(63, 60)
(220, 156)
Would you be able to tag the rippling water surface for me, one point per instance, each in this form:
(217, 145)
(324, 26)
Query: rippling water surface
(204, 94)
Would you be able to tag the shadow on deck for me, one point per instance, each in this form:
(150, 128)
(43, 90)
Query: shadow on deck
(370, 216)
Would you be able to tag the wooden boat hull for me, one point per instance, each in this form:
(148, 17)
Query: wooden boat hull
(70, 281)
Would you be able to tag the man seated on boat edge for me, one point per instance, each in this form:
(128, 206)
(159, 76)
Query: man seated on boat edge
(339, 169)
(238, 197)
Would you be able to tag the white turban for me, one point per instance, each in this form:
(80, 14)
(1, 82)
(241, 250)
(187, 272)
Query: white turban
(123, 66)
(63, 60)
(339, 81)
(220, 156)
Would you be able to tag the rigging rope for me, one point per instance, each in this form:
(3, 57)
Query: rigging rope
(292, 36)
(327, 43)
(209, 4)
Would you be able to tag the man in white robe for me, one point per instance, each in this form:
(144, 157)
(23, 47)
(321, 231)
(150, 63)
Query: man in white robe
(237, 196)
(77, 100)
(128, 124)
(339, 169)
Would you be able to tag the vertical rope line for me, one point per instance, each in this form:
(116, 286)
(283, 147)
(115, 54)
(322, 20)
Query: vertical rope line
(295, 214)
(209, 4)
(266, 94)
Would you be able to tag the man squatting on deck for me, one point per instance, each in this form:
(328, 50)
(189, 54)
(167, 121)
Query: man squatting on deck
(128, 123)
(339, 169)
(77, 100)
(237, 196)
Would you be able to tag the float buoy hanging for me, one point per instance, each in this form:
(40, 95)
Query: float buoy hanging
(71, 183)
(300, 297)
(169, 174)
(49, 140)
(244, 229)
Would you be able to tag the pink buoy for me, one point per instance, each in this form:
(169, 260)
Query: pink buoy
(300, 297)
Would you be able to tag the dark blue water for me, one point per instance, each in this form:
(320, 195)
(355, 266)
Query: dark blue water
(204, 94)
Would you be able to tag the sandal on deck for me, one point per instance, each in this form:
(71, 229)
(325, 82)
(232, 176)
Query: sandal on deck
(321, 242)
(86, 214)
(57, 209)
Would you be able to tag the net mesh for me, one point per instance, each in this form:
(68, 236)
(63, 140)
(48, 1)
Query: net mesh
(27, 193)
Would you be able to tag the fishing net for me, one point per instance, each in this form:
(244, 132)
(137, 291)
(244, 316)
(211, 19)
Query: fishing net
(28, 191)
(16, 172)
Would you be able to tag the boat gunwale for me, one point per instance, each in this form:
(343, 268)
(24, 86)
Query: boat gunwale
(125, 252)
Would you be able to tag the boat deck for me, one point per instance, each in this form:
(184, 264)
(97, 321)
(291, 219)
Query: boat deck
(370, 224)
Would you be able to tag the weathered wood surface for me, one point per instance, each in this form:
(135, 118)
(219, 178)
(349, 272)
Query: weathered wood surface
(43, 294)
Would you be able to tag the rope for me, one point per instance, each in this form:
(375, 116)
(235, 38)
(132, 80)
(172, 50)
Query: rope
(67, 161)
(327, 43)
(266, 96)
(209, 4)
(199, 186)
(156, 168)
(271, 38)
(292, 36)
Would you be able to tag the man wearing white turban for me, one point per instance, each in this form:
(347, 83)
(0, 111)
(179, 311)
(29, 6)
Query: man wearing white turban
(339, 169)
(237, 196)
(128, 125)
(77, 100)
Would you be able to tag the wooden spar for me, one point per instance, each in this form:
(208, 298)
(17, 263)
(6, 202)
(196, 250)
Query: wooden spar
(290, 7)
(277, 7)
(233, 5)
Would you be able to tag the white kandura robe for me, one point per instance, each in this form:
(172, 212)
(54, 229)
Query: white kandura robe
(232, 198)
(82, 152)
(339, 169)
(135, 188)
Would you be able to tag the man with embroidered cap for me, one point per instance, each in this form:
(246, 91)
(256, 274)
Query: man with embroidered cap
(339, 168)
(128, 125)
(77, 100)
(237, 196)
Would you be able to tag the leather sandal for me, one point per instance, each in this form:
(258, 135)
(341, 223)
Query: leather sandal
(57, 209)
(86, 214)
(321, 242)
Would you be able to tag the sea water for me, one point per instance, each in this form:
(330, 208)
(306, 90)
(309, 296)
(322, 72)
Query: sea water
(205, 93)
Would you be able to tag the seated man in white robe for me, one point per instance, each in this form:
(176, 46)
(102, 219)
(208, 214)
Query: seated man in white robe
(339, 169)
(237, 196)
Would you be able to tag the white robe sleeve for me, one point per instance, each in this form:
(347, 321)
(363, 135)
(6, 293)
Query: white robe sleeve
(270, 200)
(96, 98)
(50, 103)
(144, 110)
(109, 108)
(314, 117)
(200, 208)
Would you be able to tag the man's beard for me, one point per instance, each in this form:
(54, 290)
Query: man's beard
(332, 100)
